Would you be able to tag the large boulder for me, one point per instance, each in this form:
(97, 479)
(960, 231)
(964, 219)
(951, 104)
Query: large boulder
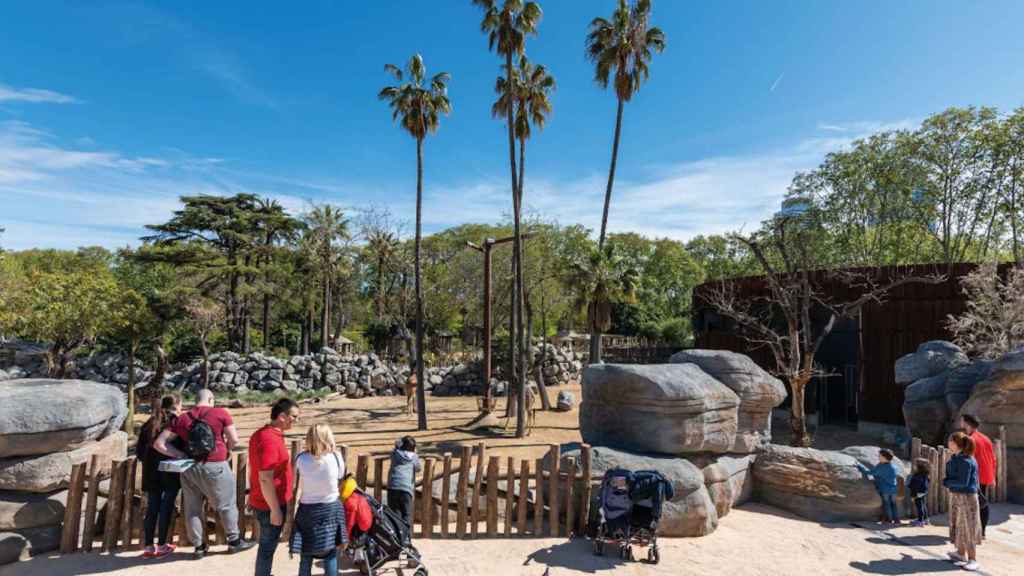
(690, 513)
(40, 416)
(999, 400)
(930, 359)
(729, 481)
(925, 409)
(20, 510)
(819, 485)
(657, 408)
(1015, 474)
(21, 544)
(962, 381)
(53, 471)
(759, 392)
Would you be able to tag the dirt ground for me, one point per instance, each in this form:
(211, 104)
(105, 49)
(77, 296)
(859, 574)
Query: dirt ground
(751, 540)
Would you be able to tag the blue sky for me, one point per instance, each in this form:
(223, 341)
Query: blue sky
(109, 111)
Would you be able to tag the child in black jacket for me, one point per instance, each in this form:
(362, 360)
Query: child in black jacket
(918, 488)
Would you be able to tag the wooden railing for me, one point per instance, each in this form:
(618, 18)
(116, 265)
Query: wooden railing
(937, 457)
(467, 510)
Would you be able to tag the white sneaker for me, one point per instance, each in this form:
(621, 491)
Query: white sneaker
(971, 566)
(954, 557)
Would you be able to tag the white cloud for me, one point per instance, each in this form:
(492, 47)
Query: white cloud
(12, 94)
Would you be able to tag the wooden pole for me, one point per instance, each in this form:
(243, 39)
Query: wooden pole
(112, 520)
(378, 478)
(1001, 465)
(73, 510)
(289, 523)
(446, 489)
(128, 514)
(362, 468)
(524, 494)
(493, 463)
(585, 463)
(343, 448)
(460, 492)
(554, 456)
(477, 487)
(569, 481)
(510, 495)
(90, 503)
(538, 498)
(915, 450)
(428, 498)
(241, 474)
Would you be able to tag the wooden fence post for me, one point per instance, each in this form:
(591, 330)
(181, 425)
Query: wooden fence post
(90, 503)
(570, 480)
(426, 519)
(538, 498)
(555, 457)
(73, 510)
(510, 495)
(477, 486)
(128, 514)
(524, 494)
(460, 492)
(446, 489)
(585, 463)
(378, 479)
(362, 469)
(493, 464)
(114, 499)
(289, 522)
(344, 456)
(241, 475)
(1001, 465)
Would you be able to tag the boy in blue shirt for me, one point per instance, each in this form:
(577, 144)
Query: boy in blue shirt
(886, 477)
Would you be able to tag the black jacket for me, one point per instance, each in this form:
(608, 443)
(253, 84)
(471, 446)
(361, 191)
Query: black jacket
(150, 458)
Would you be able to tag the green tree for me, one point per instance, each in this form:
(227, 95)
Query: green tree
(621, 49)
(601, 278)
(132, 322)
(326, 230)
(418, 108)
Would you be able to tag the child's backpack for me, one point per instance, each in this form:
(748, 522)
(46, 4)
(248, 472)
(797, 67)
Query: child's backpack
(201, 440)
(615, 488)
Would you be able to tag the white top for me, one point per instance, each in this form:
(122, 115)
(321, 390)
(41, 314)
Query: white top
(318, 479)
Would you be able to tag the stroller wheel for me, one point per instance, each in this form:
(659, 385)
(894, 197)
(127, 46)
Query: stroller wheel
(652, 555)
(420, 572)
(598, 548)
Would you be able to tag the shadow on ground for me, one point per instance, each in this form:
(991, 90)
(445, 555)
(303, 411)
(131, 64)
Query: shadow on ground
(905, 565)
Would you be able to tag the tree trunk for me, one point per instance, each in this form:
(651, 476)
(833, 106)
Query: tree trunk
(611, 175)
(542, 388)
(595, 343)
(325, 318)
(797, 417)
(129, 421)
(206, 361)
(266, 322)
(513, 364)
(161, 368)
(523, 342)
(246, 337)
(380, 289)
(421, 399)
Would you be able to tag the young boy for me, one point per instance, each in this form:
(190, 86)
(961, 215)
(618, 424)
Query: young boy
(918, 488)
(886, 477)
(402, 477)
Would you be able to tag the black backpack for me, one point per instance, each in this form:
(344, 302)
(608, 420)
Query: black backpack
(201, 440)
(651, 485)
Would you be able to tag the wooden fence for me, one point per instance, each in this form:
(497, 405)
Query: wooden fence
(937, 457)
(480, 495)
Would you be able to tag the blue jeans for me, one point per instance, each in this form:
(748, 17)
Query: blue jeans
(889, 507)
(269, 536)
(330, 564)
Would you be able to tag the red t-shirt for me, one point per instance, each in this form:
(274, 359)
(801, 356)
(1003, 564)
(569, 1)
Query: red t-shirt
(357, 513)
(218, 419)
(267, 451)
(986, 457)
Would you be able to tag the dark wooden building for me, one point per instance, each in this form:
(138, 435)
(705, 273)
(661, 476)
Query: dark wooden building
(860, 354)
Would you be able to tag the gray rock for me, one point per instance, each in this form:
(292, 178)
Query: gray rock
(1015, 474)
(690, 513)
(925, 410)
(729, 481)
(999, 400)
(290, 385)
(963, 380)
(819, 485)
(759, 392)
(19, 510)
(22, 544)
(566, 401)
(657, 408)
(40, 416)
(52, 471)
(931, 358)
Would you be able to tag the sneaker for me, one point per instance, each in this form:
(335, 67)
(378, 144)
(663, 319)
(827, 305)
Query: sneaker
(954, 557)
(971, 566)
(240, 545)
(199, 553)
(163, 550)
(149, 552)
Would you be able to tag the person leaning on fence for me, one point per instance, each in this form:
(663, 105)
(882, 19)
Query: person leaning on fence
(161, 488)
(985, 455)
(271, 479)
(209, 435)
(886, 478)
(964, 515)
(405, 463)
(320, 526)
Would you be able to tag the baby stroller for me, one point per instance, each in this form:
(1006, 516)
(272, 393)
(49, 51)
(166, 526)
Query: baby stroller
(630, 509)
(386, 546)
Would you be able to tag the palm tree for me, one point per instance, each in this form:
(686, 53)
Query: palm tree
(327, 227)
(418, 109)
(507, 26)
(621, 46)
(601, 278)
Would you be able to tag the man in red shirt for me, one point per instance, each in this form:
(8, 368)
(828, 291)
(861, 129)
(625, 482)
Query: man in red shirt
(208, 479)
(271, 479)
(986, 458)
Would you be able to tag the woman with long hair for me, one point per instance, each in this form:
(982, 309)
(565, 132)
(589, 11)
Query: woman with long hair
(320, 519)
(964, 510)
(160, 487)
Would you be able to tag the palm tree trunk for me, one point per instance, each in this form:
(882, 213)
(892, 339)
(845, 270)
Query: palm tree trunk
(611, 175)
(325, 320)
(129, 424)
(524, 363)
(421, 399)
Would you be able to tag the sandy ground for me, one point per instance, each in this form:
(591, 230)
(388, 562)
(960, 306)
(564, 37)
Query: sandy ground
(752, 540)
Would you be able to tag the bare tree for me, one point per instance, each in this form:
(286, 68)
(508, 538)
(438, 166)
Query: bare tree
(993, 323)
(795, 313)
(204, 316)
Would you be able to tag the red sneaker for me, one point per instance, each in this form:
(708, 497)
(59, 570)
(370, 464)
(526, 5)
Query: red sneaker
(149, 552)
(164, 550)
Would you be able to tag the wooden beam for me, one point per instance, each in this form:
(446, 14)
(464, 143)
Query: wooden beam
(460, 493)
(477, 488)
(493, 463)
(510, 495)
(378, 479)
(90, 503)
(538, 498)
(73, 510)
(570, 519)
(128, 518)
(116, 496)
(554, 455)
(524, 495)
(241, 475)
(585, 493)
(446, 488)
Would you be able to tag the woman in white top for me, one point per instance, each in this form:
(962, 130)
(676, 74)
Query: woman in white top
(320, 518)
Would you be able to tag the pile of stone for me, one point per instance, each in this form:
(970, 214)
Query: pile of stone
(47, 426)
(558, 366)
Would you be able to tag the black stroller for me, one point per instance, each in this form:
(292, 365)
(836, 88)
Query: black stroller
(387, 546)
(630, 508)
